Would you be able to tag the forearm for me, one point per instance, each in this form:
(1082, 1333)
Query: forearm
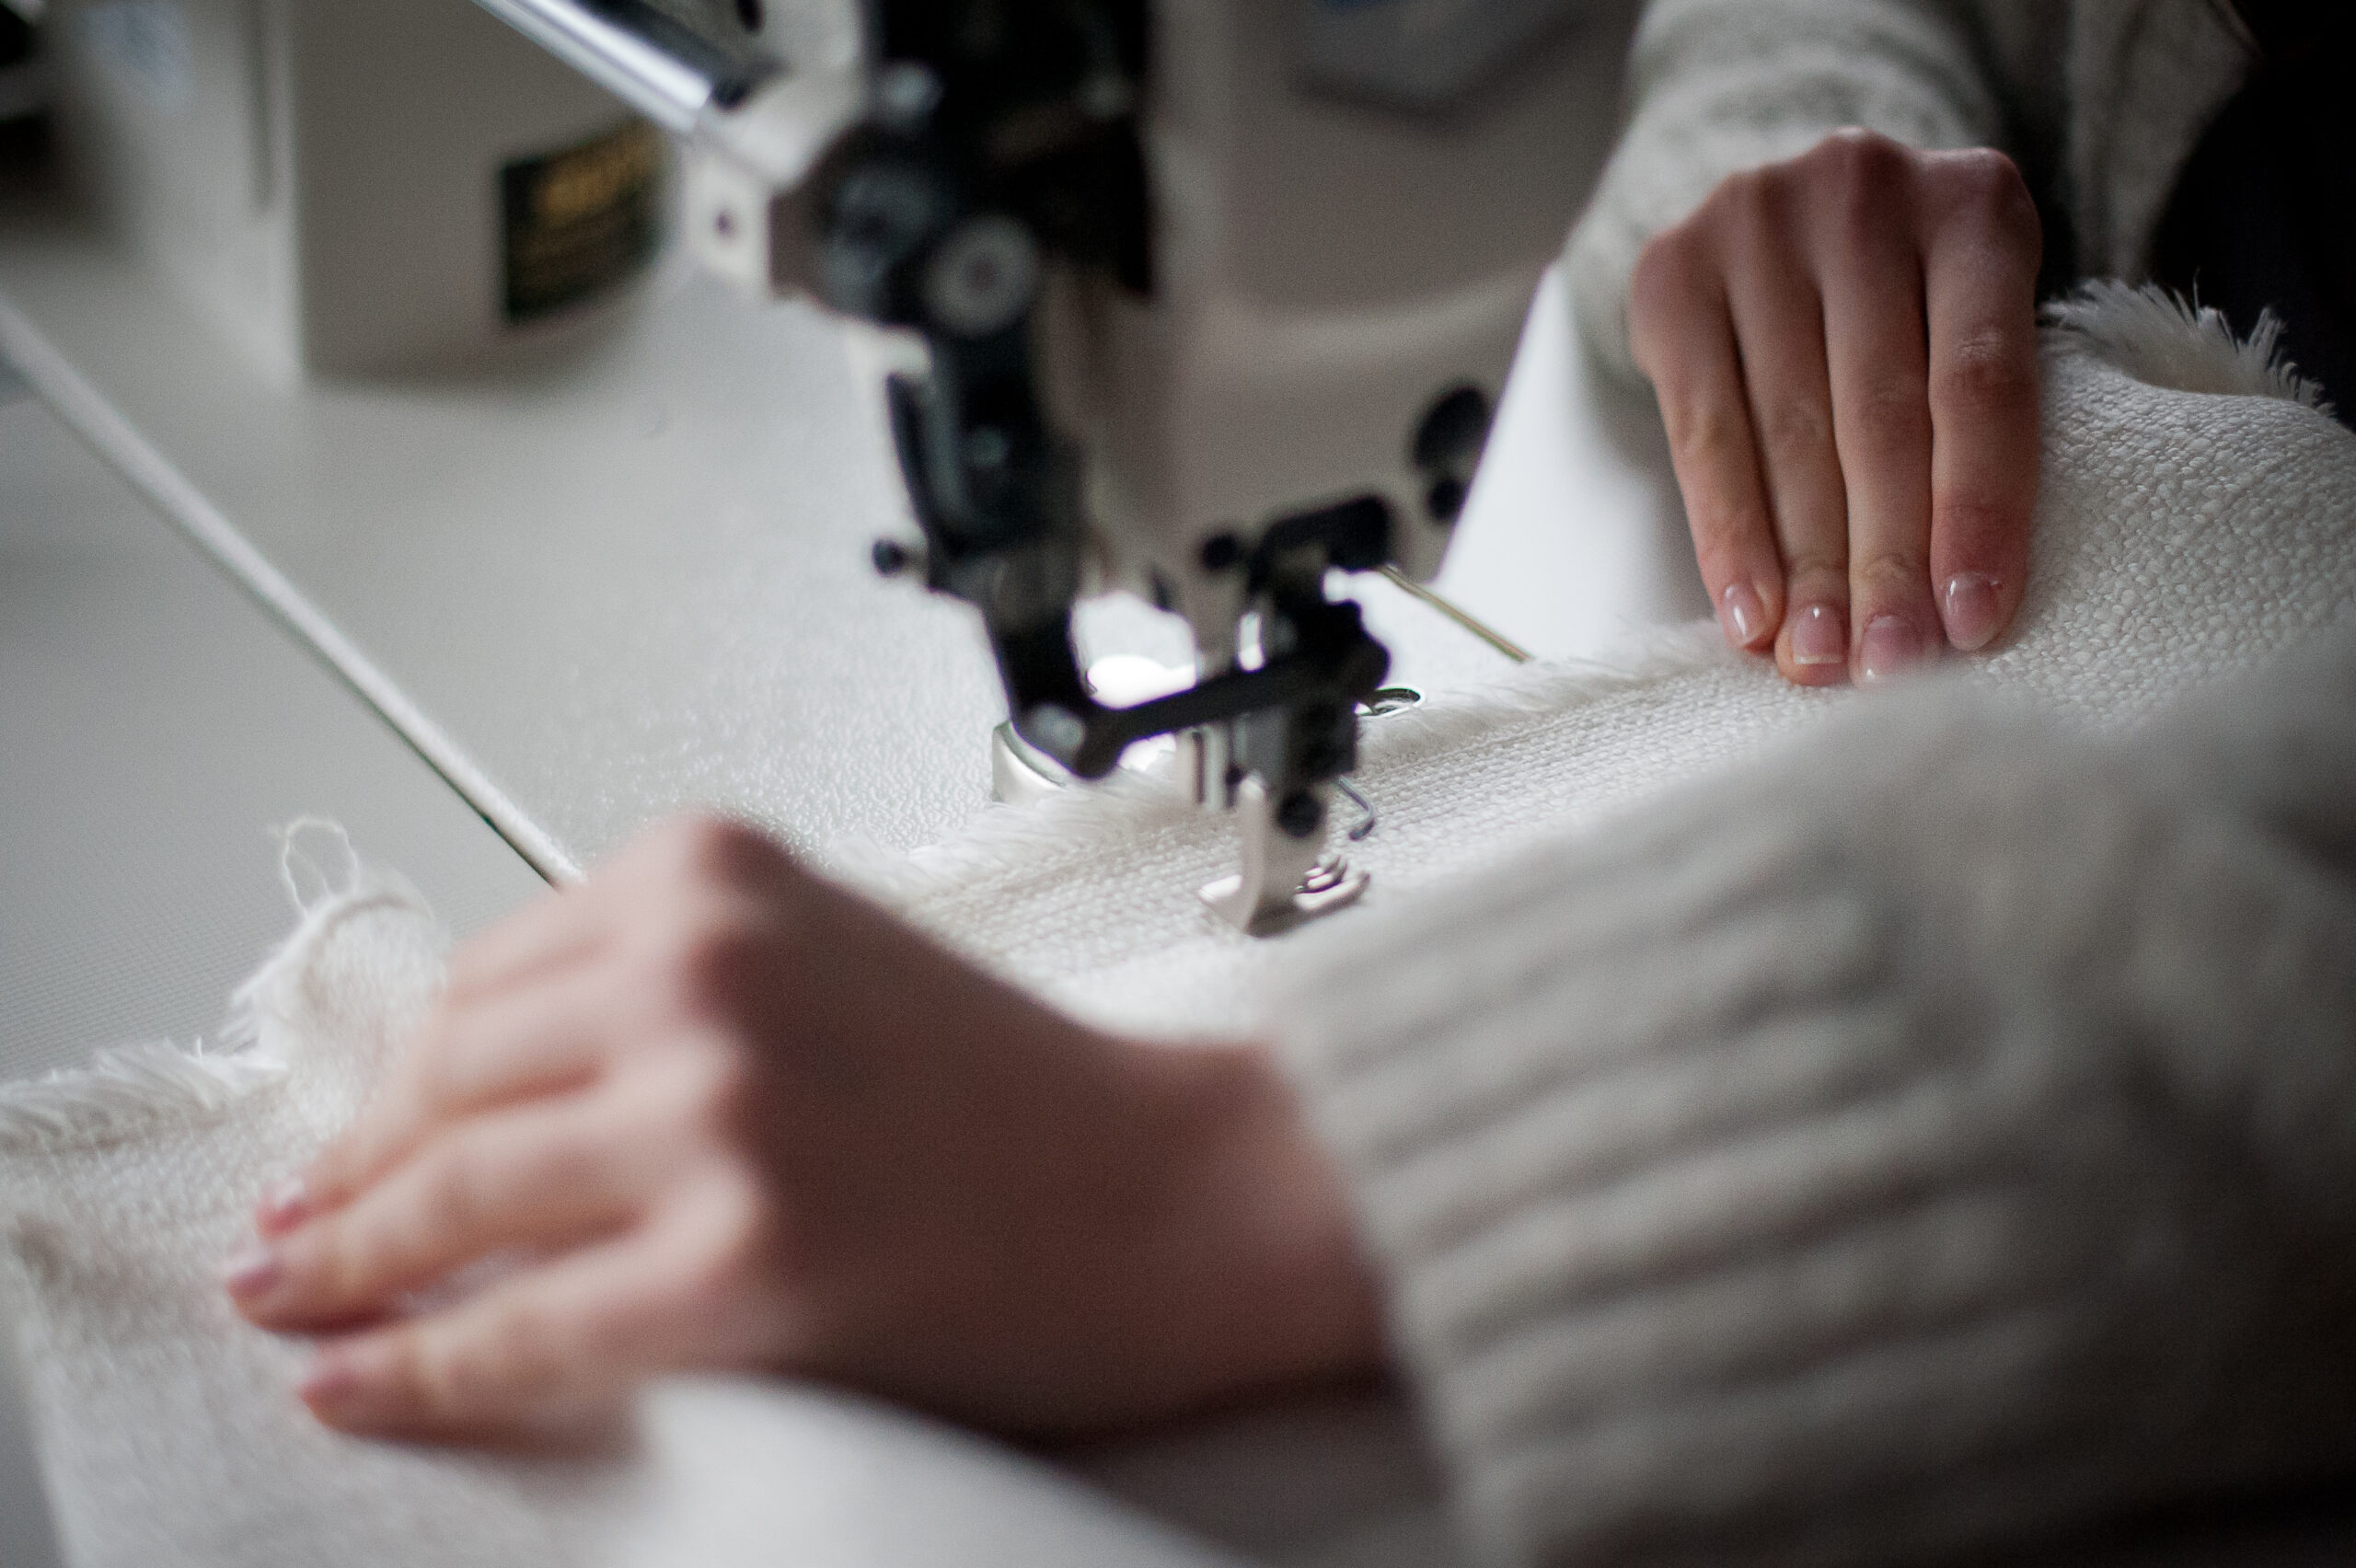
(1717, 86)
(1848, 1169)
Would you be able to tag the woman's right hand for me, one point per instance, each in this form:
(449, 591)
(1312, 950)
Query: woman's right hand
(706, 1110)
(1844, 347)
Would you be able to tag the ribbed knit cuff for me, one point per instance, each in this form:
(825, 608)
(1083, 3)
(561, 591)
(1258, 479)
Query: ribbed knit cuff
(1774, 1180)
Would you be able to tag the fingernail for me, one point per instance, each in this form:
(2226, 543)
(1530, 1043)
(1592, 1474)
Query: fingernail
(1819, 637)
(1889, 645)
(252, 1270)
(1971, 609)
(286, 1205)
(1743, 614)
(330, 1379)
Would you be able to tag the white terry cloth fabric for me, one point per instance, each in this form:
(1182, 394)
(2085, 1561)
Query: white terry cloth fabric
(2198, 516)
(2183, 535)
(166, 1430)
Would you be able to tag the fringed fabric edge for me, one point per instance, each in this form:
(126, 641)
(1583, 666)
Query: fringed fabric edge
(130, 1088)
(127, 1089)
(2164, 340)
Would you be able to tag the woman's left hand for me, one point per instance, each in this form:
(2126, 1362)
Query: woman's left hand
(729, 1116)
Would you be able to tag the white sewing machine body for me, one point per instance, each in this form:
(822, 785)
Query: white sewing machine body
(1339, 251)
(353, 187)
(1199, 300)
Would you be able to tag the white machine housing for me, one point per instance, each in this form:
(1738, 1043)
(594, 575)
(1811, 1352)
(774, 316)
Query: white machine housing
(1335, 253)
(321, 178)
(1265, 282)
(1356, 200)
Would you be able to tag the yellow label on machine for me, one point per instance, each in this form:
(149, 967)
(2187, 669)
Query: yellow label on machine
(580, 220)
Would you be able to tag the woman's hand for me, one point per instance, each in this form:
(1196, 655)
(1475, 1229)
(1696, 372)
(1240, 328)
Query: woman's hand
(718, 1113)
(1844, 347)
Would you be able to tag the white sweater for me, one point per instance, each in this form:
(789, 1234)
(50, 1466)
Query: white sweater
(1941, 1133)
(1931, 1137)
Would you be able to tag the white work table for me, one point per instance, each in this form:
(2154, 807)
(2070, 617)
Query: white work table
(154, 727)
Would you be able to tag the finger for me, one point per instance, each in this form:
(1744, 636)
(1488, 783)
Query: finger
(1982, 245)
(552, 932)
(1684, 341)
(535, 1041)
(545, 1177)
(571, 925)
(698, 850)
(1779, 321)
(1874, 344)
(559, 1339)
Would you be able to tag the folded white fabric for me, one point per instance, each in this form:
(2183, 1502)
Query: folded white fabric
(2183, 535)
(2198, 518)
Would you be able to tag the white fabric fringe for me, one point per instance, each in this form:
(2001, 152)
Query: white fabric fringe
(129, 1087)
(2170, 341)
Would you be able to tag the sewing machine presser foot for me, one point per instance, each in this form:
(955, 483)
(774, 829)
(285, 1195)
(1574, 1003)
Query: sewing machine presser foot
(1285, 881)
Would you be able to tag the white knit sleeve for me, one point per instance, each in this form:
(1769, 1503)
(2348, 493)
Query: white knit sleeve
(1717, 86)
(1943, 1134)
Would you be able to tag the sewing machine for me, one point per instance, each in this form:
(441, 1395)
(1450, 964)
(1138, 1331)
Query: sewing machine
(1201, 300)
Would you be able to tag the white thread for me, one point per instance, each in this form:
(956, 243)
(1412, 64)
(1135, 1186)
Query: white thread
(297, 866)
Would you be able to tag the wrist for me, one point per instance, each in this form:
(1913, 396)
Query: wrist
(1254, 1239)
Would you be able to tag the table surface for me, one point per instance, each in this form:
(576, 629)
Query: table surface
(153, 726)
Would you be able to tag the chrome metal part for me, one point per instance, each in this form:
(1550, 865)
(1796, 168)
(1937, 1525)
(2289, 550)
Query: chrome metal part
(1365, 808)
(1425, 594)
(1020, 774)
(638, 52)
(1286, 881)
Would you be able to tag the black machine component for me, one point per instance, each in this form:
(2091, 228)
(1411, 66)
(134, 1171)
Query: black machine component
(1448, 448)
(1004, 134)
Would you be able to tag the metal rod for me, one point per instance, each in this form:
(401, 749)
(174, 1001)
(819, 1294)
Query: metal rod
(1366, 824)
(644, 56)
(1494, 639)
